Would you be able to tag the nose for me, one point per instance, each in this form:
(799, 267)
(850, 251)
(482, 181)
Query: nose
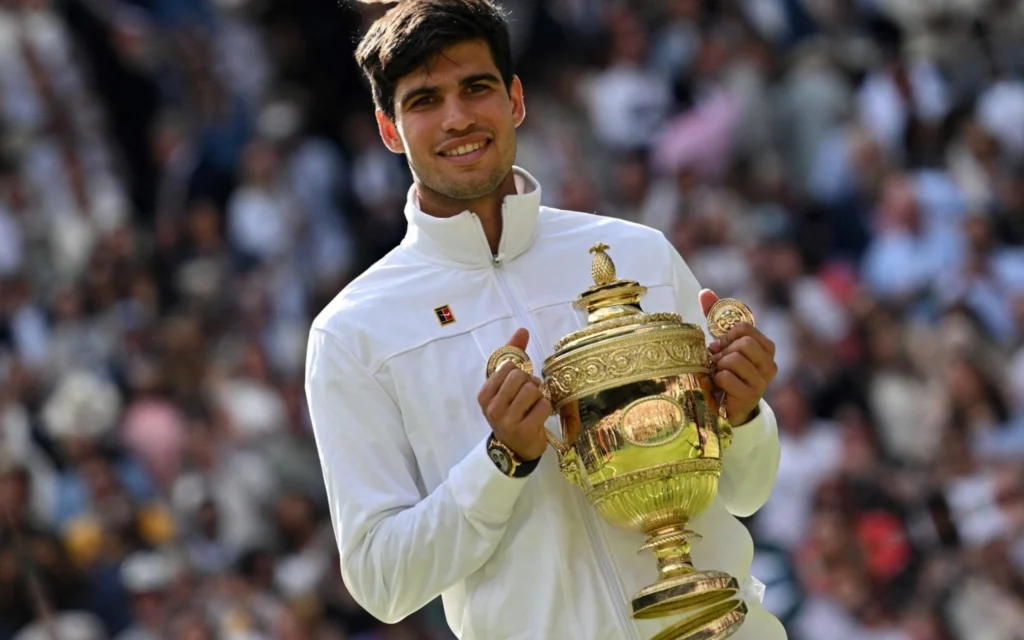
(457, 115)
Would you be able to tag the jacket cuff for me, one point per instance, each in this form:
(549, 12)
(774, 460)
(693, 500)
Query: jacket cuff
(481, 489)
(760, 429)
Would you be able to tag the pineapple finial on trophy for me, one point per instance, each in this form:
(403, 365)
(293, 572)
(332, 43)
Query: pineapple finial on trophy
(609, 297)
(602, 268)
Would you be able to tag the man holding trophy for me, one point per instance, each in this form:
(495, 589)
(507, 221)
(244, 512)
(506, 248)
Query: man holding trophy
(523, 496)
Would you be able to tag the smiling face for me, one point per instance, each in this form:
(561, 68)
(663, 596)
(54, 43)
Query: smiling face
(455, 122)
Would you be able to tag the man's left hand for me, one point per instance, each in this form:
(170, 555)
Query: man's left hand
(744, 366)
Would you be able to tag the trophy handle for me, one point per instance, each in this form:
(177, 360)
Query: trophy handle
(555, 442)
(569, 465)
(561, 448)
(568, 461)
(723, 316)
(724, 427)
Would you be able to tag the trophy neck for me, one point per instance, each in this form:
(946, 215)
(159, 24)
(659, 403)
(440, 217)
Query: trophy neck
(609, 297)
(614, 300)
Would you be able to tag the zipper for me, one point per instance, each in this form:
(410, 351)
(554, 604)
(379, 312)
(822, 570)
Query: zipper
(599, 544)
(598, 540)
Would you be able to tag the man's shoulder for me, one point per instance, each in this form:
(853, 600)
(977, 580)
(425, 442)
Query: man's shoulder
(563, 226)
(631, 245)
(369, 295)
(390, 307)
(556, 221)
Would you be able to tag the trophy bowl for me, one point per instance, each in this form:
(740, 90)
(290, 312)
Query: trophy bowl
(643, 435)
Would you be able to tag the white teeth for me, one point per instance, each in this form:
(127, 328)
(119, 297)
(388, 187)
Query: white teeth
(464, 149)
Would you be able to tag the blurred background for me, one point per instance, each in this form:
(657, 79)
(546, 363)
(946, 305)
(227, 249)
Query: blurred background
(185, 183)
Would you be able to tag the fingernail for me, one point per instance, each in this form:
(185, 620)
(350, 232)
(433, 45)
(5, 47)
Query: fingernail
(715, 345)
(716, 358)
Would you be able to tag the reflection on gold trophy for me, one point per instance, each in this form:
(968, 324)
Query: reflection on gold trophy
(642, 437)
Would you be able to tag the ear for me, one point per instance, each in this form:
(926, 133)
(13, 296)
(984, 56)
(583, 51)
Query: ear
(389, 133)
(515, 93)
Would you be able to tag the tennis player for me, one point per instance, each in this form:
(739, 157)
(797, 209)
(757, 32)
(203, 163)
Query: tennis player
(441, 483)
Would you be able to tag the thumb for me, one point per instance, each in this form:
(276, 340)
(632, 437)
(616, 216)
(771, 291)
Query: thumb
(519, 339)
(707, 300)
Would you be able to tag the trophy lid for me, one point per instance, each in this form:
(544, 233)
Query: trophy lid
(613, 306)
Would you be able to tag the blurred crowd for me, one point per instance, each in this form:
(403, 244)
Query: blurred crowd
(185, 183)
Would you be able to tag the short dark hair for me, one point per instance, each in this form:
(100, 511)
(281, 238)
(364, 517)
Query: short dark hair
(414, 31)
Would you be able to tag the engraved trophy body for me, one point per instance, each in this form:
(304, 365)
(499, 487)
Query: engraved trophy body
(642, 437)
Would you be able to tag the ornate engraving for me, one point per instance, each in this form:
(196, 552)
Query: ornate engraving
(625, 359)
(726, 314)
(664, 470)
(515, 355)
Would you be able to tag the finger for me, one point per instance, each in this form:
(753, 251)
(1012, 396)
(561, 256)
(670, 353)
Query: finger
(494, 383)
(744, 369)
(537, 415)
(733, 386)
(749, 348)
(747, 329)
(509, 390)
(528, 396)
(520, 339)
(707, 298)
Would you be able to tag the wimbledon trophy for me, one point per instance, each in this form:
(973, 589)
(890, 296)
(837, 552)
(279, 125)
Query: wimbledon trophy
(642, 437)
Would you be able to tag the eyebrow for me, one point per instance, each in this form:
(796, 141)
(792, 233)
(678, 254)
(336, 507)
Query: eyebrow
(428, 90)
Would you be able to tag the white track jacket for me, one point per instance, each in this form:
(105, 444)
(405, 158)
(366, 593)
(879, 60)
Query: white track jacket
(394, 366)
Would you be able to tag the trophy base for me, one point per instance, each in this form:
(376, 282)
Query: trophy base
(716, 623)
(679, 594)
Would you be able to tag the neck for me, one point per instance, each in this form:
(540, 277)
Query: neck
(488, 208)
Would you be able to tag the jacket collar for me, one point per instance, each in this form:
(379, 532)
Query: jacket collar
(460, 241)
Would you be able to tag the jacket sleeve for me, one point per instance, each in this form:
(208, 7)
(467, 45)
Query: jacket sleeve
(751, 464)
(399, 547)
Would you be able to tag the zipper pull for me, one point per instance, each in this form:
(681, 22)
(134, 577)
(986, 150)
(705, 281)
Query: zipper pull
(496, 262)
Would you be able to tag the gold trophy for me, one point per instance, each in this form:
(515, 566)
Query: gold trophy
(642, 437)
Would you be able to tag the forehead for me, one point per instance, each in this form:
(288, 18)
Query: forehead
(448, 67)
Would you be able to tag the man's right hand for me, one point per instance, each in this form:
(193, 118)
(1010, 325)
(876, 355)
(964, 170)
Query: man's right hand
(515, 407)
